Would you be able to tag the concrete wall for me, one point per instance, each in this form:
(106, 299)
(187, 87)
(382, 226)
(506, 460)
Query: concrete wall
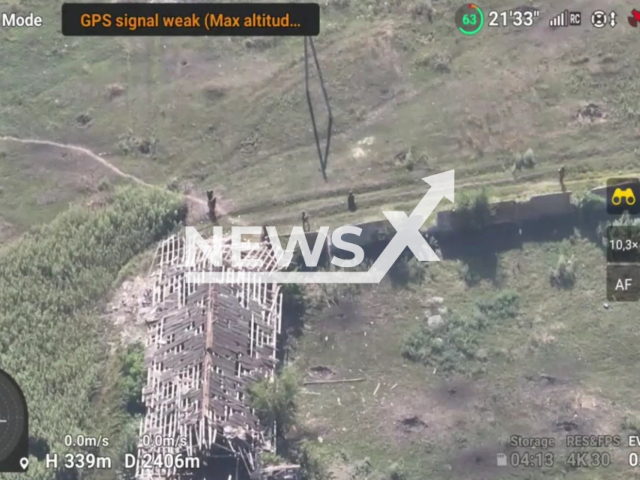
(543, 211)
(538, 207)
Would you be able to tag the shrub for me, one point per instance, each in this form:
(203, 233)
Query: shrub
(474, 209)
(448, 347)
(407, 270)
(505, 305)
(294, 306)
(173, 185)
(134, 375)
(469, 275)
(631, 424)
(564, 274)
(104, 185)
(275, 400)
(591, 207)
(311, 465)
(523, 161)
(453, 344)
(397, 472)
(361, 470)
(333, 294)
(269, 459)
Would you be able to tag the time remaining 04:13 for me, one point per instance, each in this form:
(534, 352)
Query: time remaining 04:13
(528, 459)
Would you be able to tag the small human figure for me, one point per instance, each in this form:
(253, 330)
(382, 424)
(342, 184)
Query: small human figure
(561, 174)
(351, 202)
(212, 205)
(306, 226)
(264, 238)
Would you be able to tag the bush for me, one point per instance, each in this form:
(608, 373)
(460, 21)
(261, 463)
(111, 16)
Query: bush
(524, 160)
(506, 305)
(591, 207)
(332, 294)
(564, 274)
(455, 343)
(474, 209)
(311, 466)
(397, 472)
(134, 375)
(407, 270)
(469, 275)
(294, 307)
(361, 470)
(104, 185)
(631, 424)
(275, 401)
(173, 185)
(449, 347)
(269, 459)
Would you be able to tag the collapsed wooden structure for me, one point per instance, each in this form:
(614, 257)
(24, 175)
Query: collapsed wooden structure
(206, 343)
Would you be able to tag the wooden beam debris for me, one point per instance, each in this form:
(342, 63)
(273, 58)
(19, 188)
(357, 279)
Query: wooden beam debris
(327, 382)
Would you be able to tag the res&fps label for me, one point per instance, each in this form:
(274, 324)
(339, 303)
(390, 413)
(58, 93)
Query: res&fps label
(13, 20)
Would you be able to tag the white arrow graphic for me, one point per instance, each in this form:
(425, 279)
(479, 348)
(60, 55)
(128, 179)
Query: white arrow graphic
(408, 228)
(407, 235)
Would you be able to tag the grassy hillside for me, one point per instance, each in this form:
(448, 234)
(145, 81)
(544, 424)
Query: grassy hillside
(53, 341)
(409, 97)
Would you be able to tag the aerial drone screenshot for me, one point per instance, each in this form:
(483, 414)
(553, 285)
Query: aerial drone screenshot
(345, 240)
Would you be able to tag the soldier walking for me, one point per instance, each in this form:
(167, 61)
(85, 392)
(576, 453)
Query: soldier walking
(306, 226)
(351, 202)
(211, 201)
(561, 174)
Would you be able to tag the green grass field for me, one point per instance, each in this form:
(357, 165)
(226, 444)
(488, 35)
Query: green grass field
(410, 98)
(557, 363)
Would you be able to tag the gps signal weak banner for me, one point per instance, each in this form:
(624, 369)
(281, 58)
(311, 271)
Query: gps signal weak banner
(191, 19)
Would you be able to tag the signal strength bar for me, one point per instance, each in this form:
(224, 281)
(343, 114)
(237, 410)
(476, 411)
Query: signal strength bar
(560, 20)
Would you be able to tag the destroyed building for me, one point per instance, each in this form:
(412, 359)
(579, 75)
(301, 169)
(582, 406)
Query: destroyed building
(206, 344)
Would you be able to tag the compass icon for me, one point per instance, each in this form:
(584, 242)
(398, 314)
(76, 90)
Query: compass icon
(14, 426)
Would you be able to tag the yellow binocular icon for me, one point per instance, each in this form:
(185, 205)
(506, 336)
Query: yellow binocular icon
(627, 194)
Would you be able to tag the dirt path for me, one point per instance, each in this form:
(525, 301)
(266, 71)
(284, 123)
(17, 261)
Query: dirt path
(97, 158)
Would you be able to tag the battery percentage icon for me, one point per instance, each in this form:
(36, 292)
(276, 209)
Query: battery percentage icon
(469, 19)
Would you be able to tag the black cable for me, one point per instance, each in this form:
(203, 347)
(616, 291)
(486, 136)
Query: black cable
(323, 158)
(326, 101)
